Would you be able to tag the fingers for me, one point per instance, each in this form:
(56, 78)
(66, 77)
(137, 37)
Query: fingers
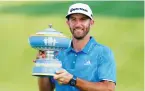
(60, 71)
(60, 75)
(61, 80)
(41, 54)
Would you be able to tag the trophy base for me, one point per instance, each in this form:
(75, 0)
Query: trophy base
(46, 68)
(44, 71)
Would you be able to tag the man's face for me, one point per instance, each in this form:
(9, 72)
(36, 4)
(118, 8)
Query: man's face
(79, 25)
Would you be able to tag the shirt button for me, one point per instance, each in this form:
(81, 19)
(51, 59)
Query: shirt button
(73, 61)
(75, 54)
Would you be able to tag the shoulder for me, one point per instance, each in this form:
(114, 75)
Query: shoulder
(105, 53)
(100, 47)
(103, 49)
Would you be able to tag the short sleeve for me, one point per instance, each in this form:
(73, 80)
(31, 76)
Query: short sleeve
(107, 66)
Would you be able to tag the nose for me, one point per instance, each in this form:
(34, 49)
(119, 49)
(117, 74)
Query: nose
(77, 23)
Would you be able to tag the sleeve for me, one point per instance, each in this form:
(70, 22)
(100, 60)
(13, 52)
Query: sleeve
(107, 66)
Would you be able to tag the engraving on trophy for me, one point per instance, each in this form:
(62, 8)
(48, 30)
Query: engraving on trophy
(49, 41)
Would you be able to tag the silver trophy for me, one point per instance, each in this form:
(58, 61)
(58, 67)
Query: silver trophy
(51, 42)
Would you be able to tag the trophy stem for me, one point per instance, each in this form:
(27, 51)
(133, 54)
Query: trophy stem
(49, 54)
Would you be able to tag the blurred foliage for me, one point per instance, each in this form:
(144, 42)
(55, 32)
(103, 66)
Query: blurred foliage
(101, 8)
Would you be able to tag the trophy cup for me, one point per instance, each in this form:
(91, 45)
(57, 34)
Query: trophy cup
(50, 41)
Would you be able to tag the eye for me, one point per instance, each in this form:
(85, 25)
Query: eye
(84, 18)
(73, 19)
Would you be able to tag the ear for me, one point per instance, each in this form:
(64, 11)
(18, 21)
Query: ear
(91, 22)
(67, 22)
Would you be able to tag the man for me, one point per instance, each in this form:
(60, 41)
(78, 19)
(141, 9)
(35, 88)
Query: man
(87, 65)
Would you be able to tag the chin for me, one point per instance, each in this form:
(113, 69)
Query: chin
(78, 38)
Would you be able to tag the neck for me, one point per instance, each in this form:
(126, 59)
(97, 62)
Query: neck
(78, 45)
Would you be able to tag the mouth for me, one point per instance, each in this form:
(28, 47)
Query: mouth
(78, 31)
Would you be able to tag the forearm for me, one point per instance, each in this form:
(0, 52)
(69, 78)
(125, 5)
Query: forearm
(95, 86)
(45, 84)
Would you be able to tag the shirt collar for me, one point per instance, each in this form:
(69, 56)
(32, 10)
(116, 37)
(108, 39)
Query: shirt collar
(87, 47)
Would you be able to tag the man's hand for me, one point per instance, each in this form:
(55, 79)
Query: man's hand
(63, 77)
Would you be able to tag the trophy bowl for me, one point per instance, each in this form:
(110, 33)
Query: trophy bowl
(51, 42)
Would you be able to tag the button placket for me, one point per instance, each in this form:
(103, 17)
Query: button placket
(74, 61)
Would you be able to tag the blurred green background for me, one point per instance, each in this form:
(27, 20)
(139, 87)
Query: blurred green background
(118, 24)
